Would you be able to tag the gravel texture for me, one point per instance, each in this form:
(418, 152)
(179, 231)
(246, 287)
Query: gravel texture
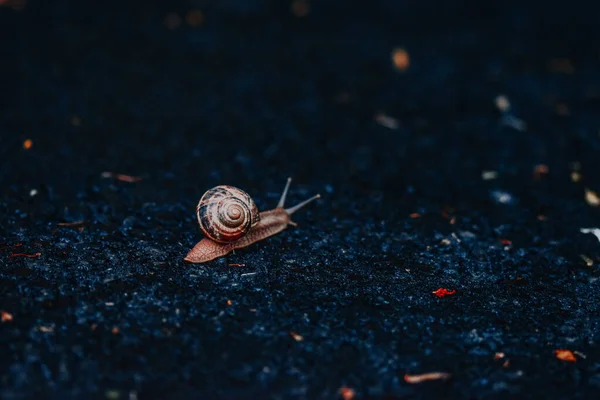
(428, 179)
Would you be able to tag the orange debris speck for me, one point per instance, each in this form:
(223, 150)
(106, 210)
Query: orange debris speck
(498, 356)
(539, 170)
(565, 355)
(505, 242)
(229, 302)
(5, 316)
(401, 59)
(297, 337)
(575, 176)
(506, 364)
(430, 376)
(115, 330)
(194, 18)
(441, 292)
(27, 144)
(300, 8)
(415, 215)
(346, 393)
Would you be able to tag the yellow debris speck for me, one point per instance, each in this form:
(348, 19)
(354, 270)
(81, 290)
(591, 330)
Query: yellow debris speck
(592, 198)
(588, 261)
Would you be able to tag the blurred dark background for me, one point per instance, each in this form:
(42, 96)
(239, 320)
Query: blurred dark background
(455, 145)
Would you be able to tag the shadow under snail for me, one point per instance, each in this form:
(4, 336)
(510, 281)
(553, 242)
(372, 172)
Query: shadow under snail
(230, 220)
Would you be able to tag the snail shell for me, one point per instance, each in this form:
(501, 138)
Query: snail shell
(226, 213)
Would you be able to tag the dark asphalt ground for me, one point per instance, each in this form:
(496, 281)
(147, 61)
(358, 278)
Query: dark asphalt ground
(187, 95)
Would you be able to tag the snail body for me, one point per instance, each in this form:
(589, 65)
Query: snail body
(230, 220)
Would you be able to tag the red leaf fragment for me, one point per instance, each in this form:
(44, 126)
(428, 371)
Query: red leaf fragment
(5, 316)
(36, 255)
(565, 355)
(121, 177)
(346, 393)
(540, 170)
(441, 292)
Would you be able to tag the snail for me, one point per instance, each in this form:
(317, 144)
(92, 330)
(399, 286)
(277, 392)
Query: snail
(230, 220)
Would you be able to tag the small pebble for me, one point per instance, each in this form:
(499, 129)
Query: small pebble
(489, 175)
(502, 103)
(502, 197)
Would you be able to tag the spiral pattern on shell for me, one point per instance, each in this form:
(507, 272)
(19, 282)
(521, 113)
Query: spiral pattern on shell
(226, 213)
